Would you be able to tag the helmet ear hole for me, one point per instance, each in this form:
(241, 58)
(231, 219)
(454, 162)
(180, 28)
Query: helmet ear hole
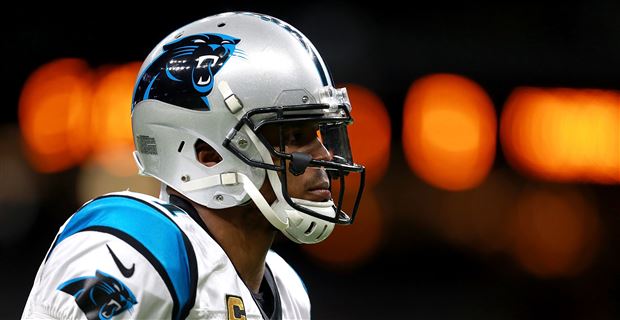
(205, 154)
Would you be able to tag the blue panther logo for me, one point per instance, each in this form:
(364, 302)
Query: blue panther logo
(183, 74)
(100, 297)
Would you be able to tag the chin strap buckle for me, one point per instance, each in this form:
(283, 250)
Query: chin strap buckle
(228, 179)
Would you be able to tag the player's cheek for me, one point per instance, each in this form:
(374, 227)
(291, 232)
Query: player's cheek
(295, 184)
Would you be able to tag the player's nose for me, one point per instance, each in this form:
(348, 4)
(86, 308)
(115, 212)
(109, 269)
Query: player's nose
(320, 152)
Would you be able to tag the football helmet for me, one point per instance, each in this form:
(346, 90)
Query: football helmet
(221, 80)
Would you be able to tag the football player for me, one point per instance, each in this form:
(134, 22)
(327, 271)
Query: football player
(238, 118)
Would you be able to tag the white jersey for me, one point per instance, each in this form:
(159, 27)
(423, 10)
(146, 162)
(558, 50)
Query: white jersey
(131, 256)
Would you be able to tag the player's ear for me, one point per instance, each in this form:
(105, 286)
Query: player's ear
(205, 154)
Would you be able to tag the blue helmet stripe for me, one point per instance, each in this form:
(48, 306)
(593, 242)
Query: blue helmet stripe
(148, 89)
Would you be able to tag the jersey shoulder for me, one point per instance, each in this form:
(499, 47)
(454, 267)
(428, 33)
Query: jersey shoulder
(280, 267)
(127, 226)
(292, 289)
(138, 219)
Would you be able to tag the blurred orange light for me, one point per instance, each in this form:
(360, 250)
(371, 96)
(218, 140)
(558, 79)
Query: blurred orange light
(350, 246)
(93, 180)
(449, 129)
(54, 114)
(111, 122)
(555, 233)
(477, 218)
(370, 133)
(563, 134)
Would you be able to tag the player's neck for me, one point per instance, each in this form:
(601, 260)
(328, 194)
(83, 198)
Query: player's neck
(245, 235)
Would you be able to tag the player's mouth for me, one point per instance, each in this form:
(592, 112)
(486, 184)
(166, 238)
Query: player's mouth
(319, 192)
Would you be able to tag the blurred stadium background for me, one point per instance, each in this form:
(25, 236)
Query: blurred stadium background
(491, 134)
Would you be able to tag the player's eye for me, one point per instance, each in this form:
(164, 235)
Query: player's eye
(299, 136)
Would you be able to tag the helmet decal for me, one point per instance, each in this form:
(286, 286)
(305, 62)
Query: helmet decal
(183, 74)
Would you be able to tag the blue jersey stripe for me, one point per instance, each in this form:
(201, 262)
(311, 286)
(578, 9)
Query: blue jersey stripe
(152, 233)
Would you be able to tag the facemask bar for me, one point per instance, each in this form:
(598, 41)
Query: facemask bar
(341, 216)
(332, 121)
(336, 139)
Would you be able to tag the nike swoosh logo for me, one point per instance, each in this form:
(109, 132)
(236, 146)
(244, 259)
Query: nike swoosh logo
(127, 272)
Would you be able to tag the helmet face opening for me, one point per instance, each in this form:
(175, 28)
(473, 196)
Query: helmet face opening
(310, 150)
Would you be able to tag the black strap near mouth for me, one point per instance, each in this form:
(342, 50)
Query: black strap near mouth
(299, 163)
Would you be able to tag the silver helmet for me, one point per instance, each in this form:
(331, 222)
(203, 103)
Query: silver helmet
(221, 80)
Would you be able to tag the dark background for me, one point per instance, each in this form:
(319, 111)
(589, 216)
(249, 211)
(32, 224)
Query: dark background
(383, 46)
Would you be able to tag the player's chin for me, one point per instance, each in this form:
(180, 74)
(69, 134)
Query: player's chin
(318, 195)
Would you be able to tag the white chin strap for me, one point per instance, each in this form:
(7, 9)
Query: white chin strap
(233, 178)
(280, 214)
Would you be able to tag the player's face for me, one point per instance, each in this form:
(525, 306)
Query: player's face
(313, 184)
